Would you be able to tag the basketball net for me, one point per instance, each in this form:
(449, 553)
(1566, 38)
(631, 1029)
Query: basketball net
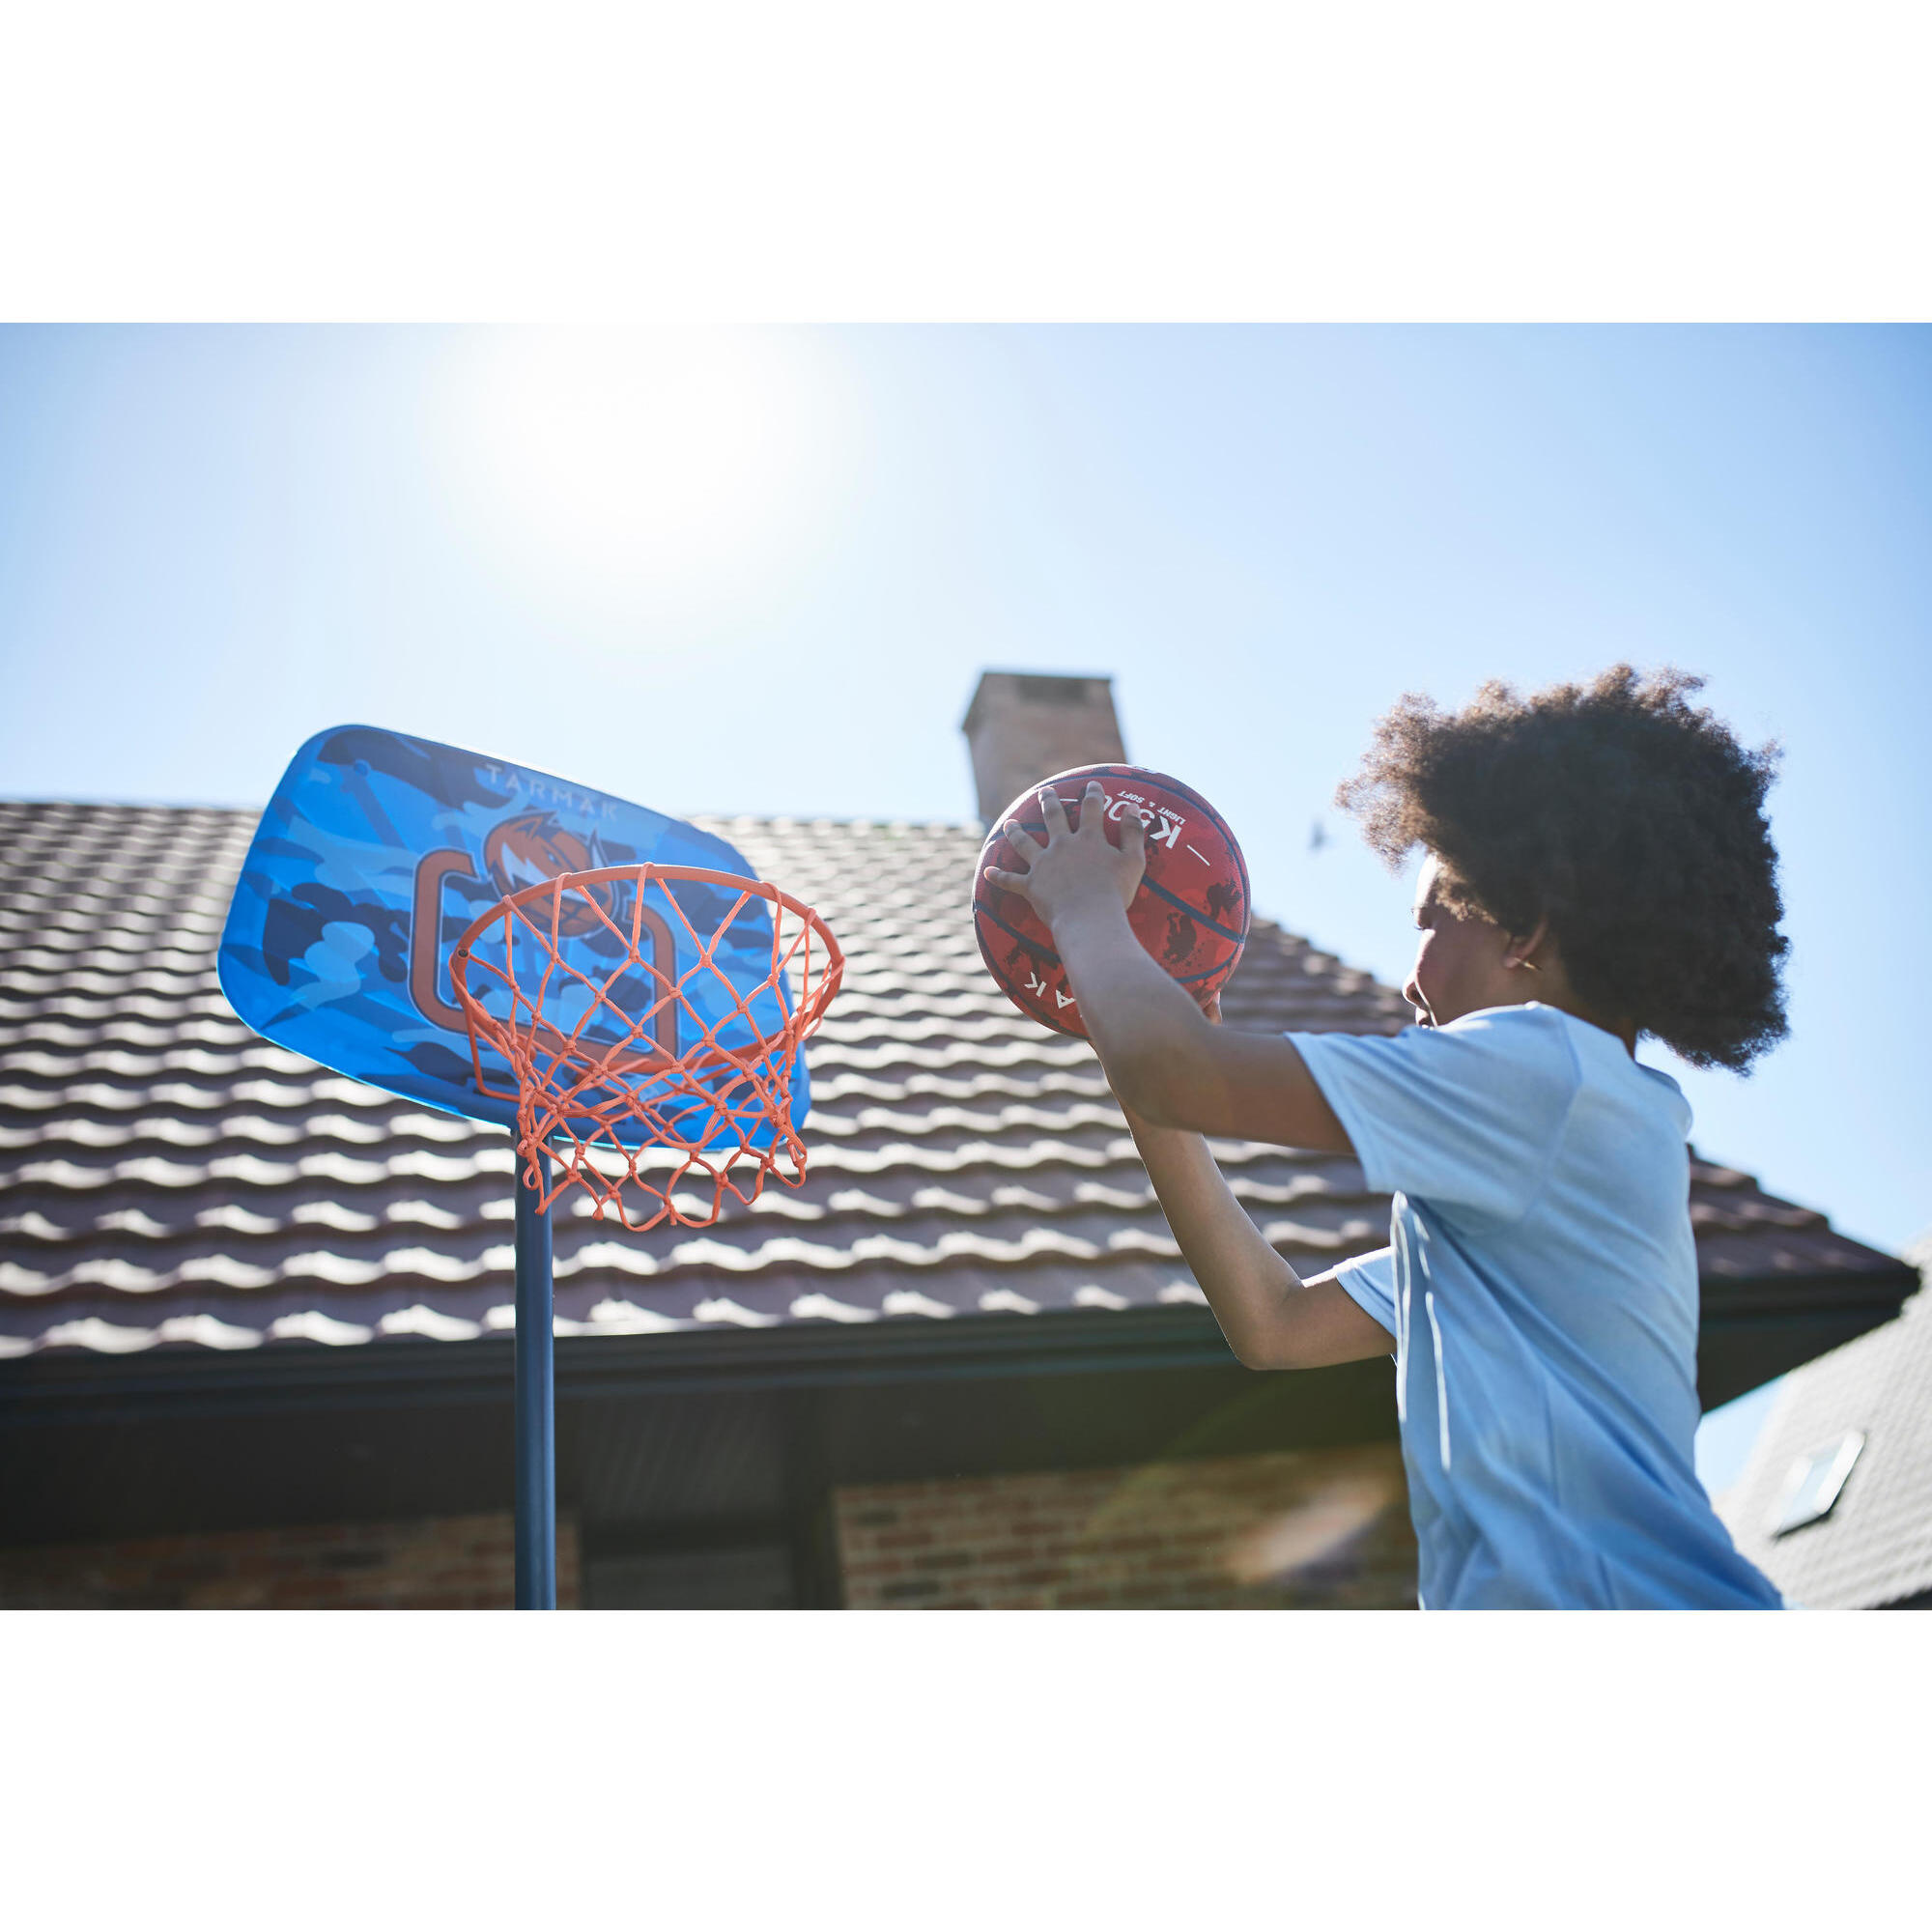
(636, 1079)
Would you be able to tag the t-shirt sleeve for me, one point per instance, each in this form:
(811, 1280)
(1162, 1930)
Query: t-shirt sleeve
(1368, 1282)
(1464, 1116)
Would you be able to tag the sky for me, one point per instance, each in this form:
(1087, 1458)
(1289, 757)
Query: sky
(761, 570)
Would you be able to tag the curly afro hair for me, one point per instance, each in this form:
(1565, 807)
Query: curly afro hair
(1630, 819)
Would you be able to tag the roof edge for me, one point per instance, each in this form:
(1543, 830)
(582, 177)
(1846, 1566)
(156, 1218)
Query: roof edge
(50, 1391)
(63, 1389)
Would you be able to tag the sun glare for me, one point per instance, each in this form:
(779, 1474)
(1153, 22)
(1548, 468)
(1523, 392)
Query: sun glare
(654, 459)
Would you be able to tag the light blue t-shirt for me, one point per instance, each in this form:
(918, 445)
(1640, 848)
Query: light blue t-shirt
(1541, 1286)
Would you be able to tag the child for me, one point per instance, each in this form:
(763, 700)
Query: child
(1597, 867)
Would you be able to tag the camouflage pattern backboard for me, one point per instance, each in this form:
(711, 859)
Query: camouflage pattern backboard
(378, 850)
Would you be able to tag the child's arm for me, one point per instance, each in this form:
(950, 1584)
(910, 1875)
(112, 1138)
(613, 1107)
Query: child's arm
(1169, 1064)
(1177, 1077)
(1272, 1317)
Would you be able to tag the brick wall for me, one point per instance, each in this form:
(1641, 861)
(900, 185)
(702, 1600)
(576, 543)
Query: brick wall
(445, 1563)
(1319, 1528)
(1297, 1529)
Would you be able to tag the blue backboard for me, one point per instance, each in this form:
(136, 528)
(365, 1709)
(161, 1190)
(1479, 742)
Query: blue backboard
(375, 854)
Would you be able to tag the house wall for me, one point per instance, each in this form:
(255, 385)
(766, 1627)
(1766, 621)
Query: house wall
(1324, 1528)
(445, 1563)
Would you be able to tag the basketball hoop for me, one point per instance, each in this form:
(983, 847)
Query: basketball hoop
(637, 1077)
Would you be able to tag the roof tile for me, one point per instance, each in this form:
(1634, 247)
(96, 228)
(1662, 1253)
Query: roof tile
(1875, 1546)
(169, 1180)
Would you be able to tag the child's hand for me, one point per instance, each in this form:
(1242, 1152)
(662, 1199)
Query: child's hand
(1074, 872)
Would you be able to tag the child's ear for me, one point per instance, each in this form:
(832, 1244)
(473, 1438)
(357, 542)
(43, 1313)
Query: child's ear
(1519, 950)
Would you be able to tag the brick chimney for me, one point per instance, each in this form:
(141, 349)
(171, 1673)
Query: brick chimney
(1022, 727)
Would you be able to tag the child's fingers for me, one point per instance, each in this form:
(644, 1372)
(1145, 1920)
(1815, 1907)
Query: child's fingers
(1133, 834)
(1094, 807)
(1012, 882)
(1025, 846)
(1053, 812)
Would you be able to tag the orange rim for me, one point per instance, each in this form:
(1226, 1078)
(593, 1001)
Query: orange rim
(630, 1061)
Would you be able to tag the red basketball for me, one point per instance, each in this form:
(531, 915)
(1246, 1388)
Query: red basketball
(1191, 912)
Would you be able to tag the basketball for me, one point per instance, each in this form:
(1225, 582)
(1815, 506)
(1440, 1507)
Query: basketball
(1190, 913)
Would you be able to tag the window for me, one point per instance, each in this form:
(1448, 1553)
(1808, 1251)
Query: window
(1812, 1486)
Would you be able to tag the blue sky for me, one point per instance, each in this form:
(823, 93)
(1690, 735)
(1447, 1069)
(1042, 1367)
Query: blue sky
(761, 572)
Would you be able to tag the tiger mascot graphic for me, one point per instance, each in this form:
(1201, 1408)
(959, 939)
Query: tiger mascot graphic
(535, 850)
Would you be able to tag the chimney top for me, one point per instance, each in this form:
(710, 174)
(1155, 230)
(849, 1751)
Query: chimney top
(1023, 726)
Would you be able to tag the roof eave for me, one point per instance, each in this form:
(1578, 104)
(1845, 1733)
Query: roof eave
(407, 1370)
(71, 1388)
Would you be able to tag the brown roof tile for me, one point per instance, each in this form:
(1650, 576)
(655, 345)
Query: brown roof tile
(169, 1179)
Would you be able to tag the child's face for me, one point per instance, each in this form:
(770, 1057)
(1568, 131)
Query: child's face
(1458, 959)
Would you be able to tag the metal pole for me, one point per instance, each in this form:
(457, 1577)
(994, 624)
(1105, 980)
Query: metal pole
(536, 1417)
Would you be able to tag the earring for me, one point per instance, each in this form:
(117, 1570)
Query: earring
(1531, 963)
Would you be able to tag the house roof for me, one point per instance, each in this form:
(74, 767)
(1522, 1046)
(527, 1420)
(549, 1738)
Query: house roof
(169, 1180)
(1875, 1545)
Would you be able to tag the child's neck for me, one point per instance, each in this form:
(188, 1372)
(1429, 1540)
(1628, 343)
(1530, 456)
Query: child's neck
(1561, 995)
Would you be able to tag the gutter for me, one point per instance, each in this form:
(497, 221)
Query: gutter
(410, 1372)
